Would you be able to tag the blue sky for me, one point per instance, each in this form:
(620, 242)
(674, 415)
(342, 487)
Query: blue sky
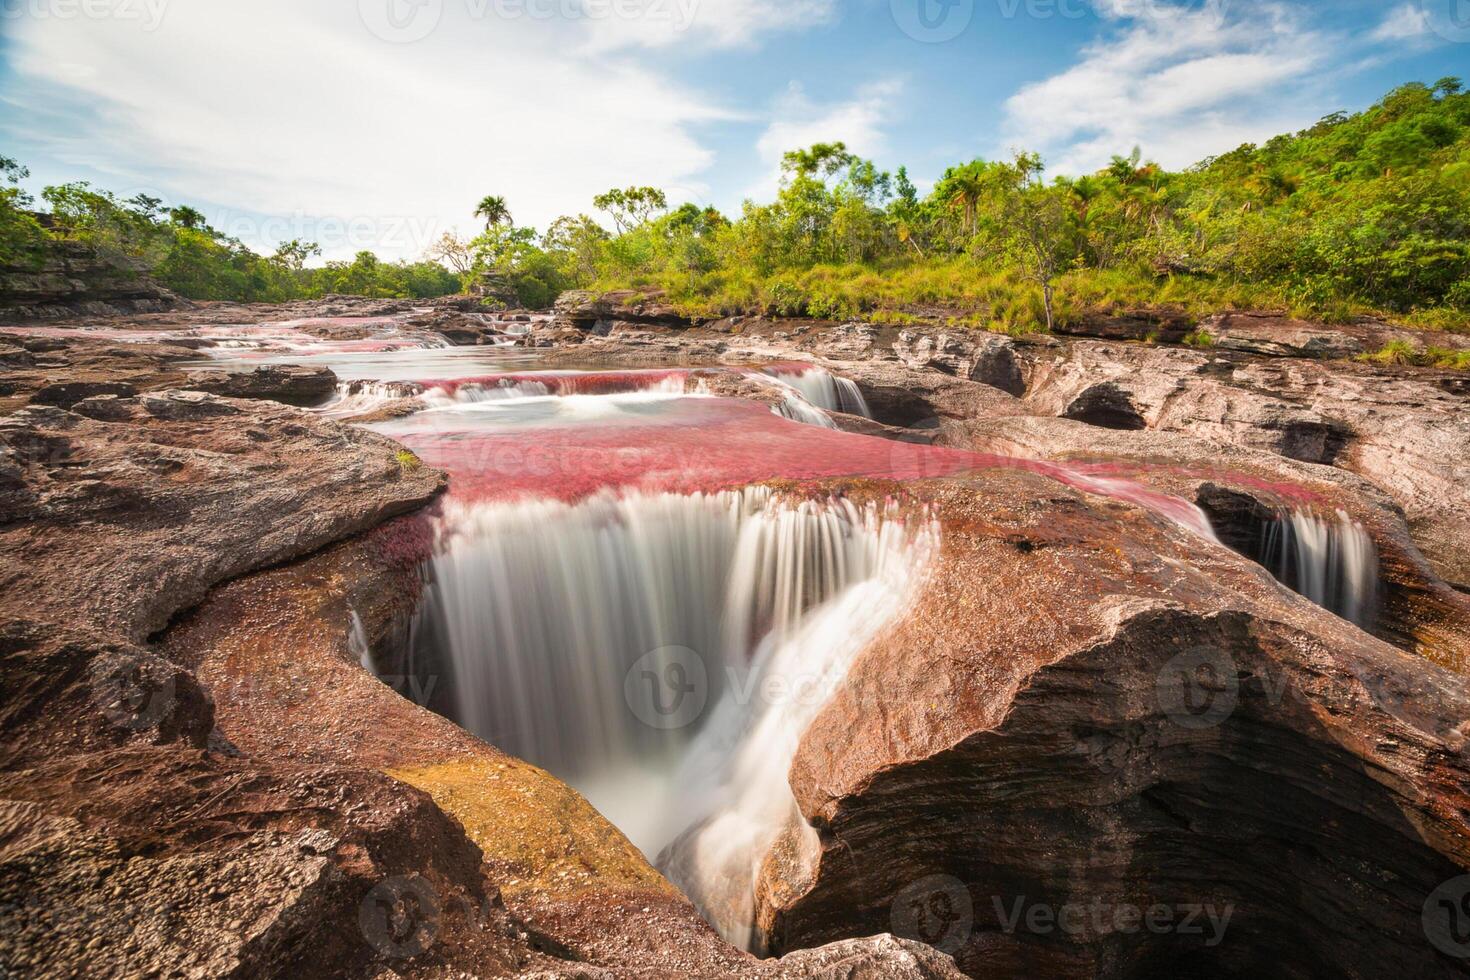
(379, 123)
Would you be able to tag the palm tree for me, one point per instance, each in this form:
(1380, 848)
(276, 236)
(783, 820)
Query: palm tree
(186, 217)
(493, 210)
(962, 188)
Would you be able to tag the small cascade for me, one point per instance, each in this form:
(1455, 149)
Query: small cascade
(361, 397)
(821, 388)
(798, 409)
(1331, 561)
(629, 644)
(559, 385)
(357, 642)
(506, 390)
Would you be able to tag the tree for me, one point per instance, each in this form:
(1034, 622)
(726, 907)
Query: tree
(631, 206)
(494, 210)
(454, 252)
(1032, 224)
(292, 255)
(21, 237)
(13, 172)
(961, 189)
(186, 217)
(577, 245)
(819, 161)
(146, 205)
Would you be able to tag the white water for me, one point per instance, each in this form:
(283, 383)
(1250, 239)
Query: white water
(357, 642)
(361, 397)
(555, 386)
(472, 393)
(1333, 562)
(664, 653)
(822, 389)
(798, 409)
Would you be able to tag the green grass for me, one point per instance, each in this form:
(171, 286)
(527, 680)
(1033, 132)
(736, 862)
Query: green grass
(408, 462)
(962, 292)
(1401, 352)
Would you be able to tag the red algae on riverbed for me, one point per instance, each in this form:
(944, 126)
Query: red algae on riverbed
(691, 444)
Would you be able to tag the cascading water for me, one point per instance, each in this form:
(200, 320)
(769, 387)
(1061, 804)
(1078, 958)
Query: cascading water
(481, 393)
(630, 644)
(798, 409)
(824, 390)
(357, 641)
(1333, 562)
(361, 397)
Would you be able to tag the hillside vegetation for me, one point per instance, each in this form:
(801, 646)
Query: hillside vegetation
(1364, 213)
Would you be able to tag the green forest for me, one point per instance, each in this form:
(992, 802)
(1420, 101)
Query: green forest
(1359, 214)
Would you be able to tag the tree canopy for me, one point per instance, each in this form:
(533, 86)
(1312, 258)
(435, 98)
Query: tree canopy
(1361, 212)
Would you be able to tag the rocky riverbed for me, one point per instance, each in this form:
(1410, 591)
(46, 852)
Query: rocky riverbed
(1119, 727)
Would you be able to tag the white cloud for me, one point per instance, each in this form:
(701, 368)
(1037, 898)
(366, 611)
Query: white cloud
(283, 108)
(714, 23)
(797, 122)
(1182, 82)
(1409, 20)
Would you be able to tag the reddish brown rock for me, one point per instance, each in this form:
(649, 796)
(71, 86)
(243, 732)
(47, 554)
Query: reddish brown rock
(206, 488)
(1160, 725)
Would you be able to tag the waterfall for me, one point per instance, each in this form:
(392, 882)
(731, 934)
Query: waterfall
(631, 644)
(736, 800)
(824, 390)
(798, 409)
(564, 385)
(357, 642)
(1333, 562)
(361, 397)
(505, 390)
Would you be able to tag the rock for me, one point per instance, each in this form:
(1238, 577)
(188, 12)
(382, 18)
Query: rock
(1276, 336)
(74, 692)
(68, 394)
(107, 408)
(1164, 726)
(288, 384)
(1240, 490)
(75, 280)
(880, 958)
(1108, 406)
(988, 359)
(1163, 324)
(182, 405)
(585, 309)
(206, 487)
